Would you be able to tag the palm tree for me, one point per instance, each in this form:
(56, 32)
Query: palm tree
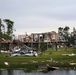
(9, 27)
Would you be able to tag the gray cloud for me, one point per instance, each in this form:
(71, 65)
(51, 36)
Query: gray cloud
(37, 15)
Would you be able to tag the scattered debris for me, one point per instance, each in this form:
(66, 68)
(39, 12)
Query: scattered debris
(6, 63)
(24, 51)
(69, 54)
(72, 63)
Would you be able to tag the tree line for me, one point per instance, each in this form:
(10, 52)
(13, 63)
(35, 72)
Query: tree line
(65, 35)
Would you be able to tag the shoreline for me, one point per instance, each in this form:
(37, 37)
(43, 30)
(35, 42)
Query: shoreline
(35, 66)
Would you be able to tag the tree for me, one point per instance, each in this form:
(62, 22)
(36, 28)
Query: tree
(1, 34)
(73, 37)
(64, 35)
(1, 29)
(66, 32)
(60, 29)
(10, 25)
(60, 32)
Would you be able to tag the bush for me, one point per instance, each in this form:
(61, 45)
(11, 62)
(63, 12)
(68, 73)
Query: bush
(43, 46)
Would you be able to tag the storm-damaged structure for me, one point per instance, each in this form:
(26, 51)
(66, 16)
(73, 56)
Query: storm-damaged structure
(24, 51)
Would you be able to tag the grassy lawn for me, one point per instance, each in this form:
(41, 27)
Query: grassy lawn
(50, 56)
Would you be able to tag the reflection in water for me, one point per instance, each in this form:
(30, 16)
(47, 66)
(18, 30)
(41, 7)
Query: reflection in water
(22, 72)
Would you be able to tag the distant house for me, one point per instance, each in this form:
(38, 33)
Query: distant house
(54, 36)
(45, 37)
(40, 37)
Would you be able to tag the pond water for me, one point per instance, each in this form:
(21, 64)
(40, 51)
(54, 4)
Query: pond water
(22, 72)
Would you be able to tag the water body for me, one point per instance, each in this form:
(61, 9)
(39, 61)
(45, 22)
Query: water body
(22, 72)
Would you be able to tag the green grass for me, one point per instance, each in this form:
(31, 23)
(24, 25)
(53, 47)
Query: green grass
(48, 54)
(45, 57)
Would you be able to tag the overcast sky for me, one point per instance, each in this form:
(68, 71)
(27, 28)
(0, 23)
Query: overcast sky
(33, 16)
